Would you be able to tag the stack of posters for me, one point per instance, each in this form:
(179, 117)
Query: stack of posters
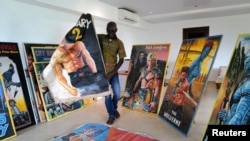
(38, 57)
(15, 85)
(34, 55)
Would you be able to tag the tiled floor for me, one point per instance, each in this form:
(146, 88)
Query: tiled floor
(130, 120)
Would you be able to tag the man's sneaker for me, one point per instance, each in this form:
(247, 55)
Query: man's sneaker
(111, 120)
(117, 114)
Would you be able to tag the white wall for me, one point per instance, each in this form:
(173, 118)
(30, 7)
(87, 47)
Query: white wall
(229, 27)
(29, 21)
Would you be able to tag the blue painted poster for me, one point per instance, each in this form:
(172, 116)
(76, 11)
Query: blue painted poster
(231, 108)
(41, 54)
(188, 81)
(7, 128)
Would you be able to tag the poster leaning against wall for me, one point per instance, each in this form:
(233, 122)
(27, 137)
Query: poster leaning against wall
(231, 108)
(146, 73)
(18, 97)
(188, 80)
(30, 73)
(7, 129)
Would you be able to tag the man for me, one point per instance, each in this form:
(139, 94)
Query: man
(136, 64)
(150, 84)
(179, 93)
(195, 67)
(75, 59)
(7, 77)
(112, 47)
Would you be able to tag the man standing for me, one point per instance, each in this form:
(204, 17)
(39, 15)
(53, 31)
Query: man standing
(112, 47)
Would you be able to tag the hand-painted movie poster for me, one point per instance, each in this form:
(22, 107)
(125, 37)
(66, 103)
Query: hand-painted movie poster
(146, 74)
(52, 109)
(16, 88)
(102, 132)
(7, 129)
(76, 69)
(42, 52)
(232, 106)
(188, 81)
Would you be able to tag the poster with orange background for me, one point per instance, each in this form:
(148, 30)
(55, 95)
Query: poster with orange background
(188, 80)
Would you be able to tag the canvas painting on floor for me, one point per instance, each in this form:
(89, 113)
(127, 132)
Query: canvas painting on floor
(145, 80)
(102, 132)
(76, 68)
(15, 85)
(233, 99)
(188, 80)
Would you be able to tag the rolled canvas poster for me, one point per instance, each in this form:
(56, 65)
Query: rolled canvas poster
(188, 81)
(146, 75)
(231, 108)
(76, 69)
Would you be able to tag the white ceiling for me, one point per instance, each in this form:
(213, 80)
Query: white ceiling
(158, 11)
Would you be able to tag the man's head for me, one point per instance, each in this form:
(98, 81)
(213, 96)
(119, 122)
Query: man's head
(152, 59)
(111, 30)
(11, 67)
(184, 72)
(207, 48)
(142, 56)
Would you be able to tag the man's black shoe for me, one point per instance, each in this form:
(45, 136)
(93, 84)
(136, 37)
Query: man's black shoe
(117, 114)
(111, 120)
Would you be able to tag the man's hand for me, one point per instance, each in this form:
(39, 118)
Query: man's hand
(152, 107)
(73, 91)
(109, 75)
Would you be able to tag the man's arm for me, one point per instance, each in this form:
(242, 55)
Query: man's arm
(118, 65)
(58, 71)
(137, 83)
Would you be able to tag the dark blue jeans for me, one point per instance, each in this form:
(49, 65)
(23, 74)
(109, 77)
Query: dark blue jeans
(111, 101)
